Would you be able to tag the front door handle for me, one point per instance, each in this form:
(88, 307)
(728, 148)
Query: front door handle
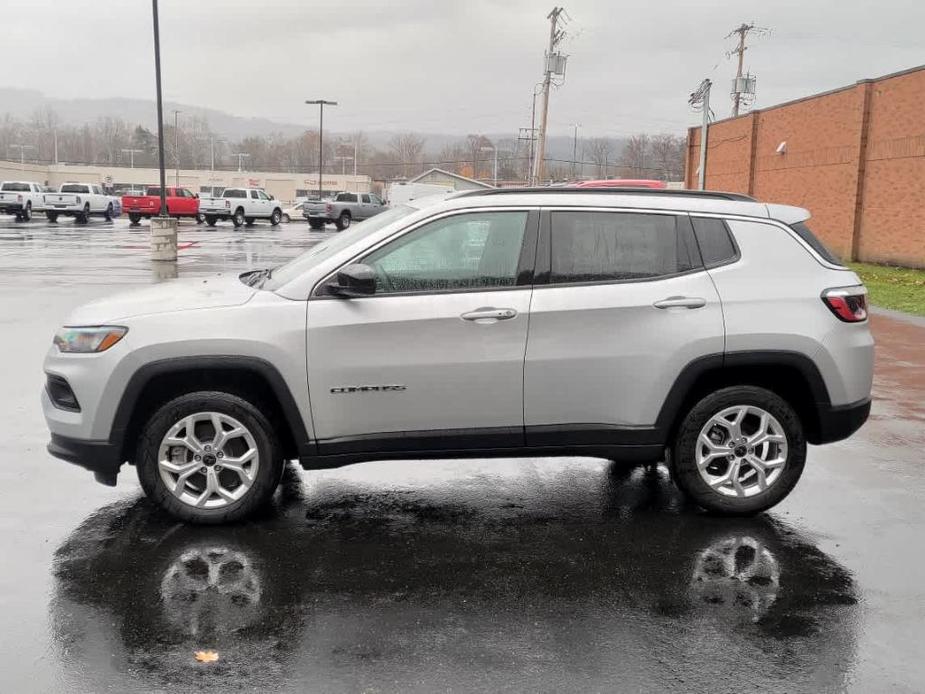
(489, 314)
(681, 302)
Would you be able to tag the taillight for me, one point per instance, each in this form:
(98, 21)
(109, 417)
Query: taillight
(847, 303)
(227, 205)
(78, 199)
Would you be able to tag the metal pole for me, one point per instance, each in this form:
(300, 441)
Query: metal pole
(160, 109)
(354, 158)
(575, 151)
(495, 147)
(176, 144)
(56, 145)
(702, 175)
(212, 154)
(320, 147)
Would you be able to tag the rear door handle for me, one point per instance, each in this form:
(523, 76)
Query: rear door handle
(681, 302)
(489, 313)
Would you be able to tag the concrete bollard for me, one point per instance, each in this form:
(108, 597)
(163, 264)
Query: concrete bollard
(163, 238)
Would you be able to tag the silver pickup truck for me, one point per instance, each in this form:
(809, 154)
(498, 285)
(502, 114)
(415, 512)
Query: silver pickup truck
(342, 209)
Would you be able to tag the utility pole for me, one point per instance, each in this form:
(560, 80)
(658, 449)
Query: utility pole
(22, 154)
(555, 65)
(738, 86)
(321, 103)
(241, 157)
(56, 145)
(132, 155)
(163, 227)
(528, 135)
(700, 99)
(176, 143)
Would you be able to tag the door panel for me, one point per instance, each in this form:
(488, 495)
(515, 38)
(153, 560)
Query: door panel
(602, 353)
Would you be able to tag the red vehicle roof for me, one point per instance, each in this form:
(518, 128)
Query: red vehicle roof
(622, 183)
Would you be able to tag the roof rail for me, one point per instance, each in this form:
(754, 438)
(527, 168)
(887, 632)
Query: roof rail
(712, 194)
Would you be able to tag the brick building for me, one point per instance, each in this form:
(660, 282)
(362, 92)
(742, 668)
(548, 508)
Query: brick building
(855, 157)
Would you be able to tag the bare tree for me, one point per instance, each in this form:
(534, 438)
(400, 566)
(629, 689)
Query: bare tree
(451, 157)
(668, 155)
(599, 150)
(407, 148)
(636, 155)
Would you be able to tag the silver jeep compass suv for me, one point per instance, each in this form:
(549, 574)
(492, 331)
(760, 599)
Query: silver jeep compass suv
(707, 330)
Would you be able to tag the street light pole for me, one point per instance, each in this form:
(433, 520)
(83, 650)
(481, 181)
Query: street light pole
(495, 167)
(132, 155)
(241, 156)
(160, 109)
(176, 143)
(321, 104)
(22, 154)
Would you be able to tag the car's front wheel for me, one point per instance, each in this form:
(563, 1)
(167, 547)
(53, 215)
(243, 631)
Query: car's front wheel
(739, 451)
(276, 217)
(238, 217)
(209, 457)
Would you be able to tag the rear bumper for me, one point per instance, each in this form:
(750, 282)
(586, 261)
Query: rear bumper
(837, 422)
(100, 457)
(10, 208)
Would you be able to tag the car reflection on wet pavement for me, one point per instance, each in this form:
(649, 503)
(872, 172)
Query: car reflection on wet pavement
(411, 576)
(429, 588)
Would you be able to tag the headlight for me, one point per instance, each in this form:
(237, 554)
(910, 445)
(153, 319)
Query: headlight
(85, 340)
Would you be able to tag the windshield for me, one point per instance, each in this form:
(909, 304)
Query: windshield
(16, 187)
(324, 250)
(74, 188)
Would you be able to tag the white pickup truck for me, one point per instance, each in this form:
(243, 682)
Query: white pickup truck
(81, 201)
(21, 198)
(241, 206)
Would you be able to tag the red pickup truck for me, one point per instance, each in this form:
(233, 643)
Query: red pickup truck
(180, 203)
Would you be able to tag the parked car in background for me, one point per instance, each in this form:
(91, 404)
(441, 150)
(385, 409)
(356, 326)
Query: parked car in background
(21, 198)
(343, 209)
(294, 211)
(81, 201)
(241, 206)
(706, 330)
(401, 192)
(180, 203)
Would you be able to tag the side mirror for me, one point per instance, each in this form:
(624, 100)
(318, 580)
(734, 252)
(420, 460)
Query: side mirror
(272, 197)
(354, 281)
(196, 195)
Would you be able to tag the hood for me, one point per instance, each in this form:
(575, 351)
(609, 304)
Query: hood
(167, 297)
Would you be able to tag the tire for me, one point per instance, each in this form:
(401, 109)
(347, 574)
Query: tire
(83, 217)
(266, 467)
(200, 218)
(276, 217)
(249, 221)
(26, 215)
(286, 219)
(52, 217)
(109, 212)
(211, 219)
(728, 498)
(316, 224)
(238, 217)
(134, 219)
(343, 221)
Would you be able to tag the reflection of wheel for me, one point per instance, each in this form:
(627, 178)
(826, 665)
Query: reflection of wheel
(52, 216)
(209, 457)
(200, 218)
(738, 572)
(739, 450)
(209, 589)
(249, 221)
(276, 217)
(316, 224)
(134, 219)
(343, 221)
(238, 217)
(211, 219)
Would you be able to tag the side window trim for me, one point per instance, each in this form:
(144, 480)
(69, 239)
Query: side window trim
(525, 265)
(543, 273)
(732, 237)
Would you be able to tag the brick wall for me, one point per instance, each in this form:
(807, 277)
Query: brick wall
(855, 157)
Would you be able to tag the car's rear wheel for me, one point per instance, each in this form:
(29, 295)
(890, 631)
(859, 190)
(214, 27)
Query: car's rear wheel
(343, 221)
(200, 218)
(209, 457)
(316, 224)
(134, 219)
(26, 214)
(83, 217)
(249, 221)
(211, 219)
(739, 451)
(286, 219)
(238, 217)
(109, 212)
(52, 216)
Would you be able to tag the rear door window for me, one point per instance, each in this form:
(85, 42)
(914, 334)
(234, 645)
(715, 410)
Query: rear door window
(618, 246)
(810, 238)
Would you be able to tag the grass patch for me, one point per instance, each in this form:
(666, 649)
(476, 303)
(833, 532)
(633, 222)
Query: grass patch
(898, 288)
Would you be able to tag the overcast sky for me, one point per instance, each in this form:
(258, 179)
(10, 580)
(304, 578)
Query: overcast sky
(452, 66)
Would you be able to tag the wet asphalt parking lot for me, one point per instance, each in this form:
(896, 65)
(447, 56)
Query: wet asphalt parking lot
(567, 574)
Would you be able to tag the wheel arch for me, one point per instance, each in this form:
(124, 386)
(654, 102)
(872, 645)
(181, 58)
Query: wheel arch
(791, 375)
(251, 378)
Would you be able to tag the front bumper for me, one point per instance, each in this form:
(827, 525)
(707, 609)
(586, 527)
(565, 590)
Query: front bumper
(100, 457)
(837, 422)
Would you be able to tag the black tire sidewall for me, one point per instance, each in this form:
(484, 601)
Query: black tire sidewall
(684, 465)
(268, 473)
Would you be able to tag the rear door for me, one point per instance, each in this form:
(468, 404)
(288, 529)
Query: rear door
(433, 359)
(622, 304)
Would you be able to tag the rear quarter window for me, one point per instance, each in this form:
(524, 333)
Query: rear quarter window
(16, 187)
(810, 238)
(715, 241)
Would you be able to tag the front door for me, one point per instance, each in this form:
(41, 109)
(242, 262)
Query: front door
(434, 359)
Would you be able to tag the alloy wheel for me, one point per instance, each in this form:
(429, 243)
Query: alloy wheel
(208, 460)
(741, 451)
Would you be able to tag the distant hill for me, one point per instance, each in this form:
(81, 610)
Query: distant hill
(22, 103)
